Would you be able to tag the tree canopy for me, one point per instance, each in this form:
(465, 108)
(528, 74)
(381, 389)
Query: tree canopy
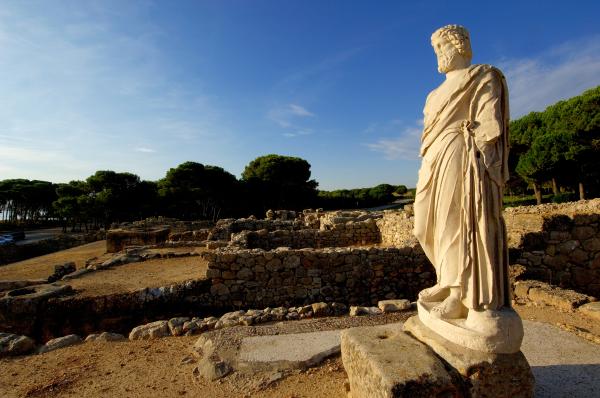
(560, 145)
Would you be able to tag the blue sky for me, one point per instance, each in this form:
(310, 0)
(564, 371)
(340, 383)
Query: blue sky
(143, 86)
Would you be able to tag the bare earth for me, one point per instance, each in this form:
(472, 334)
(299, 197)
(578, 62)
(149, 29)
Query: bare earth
(120, 279)
(153, 368)
(136, 276)
(43, 266)
(156, 368)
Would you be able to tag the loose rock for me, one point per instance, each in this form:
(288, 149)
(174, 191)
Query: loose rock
(151, 330)
(60, 342)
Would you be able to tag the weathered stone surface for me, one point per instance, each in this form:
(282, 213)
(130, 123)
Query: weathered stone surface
(288, 351)
(358, 310)
(210, 366)
(486, 374)
(545, 294)
(151, 330)
(13, 344)
(176, 325)
(61, 270)
(76, 274)
(105, 336)
(591, 310)
(383, 361)
(212, 369)
(320, 309)
(394, 305)
(60, 342)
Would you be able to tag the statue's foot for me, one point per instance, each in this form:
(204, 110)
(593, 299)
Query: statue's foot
(434, 294)
(450, 308)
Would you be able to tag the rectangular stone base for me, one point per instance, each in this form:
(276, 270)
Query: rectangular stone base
(483, 374)
(385, 361)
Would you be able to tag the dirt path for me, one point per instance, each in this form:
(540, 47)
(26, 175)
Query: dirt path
(43, 266)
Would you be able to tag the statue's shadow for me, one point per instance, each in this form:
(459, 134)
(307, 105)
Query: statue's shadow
(571, 381)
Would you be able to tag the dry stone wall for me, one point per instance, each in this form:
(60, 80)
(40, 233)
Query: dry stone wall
(340, 235)
(396, 228)
(228, 226)
(254, 278)
(565, 250)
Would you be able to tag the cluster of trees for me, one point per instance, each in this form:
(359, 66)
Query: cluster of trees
(26, 200)
(559, 147)
(361, 197)
(189, 191)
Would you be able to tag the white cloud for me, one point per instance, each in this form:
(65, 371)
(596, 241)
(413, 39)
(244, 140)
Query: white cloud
(403, 146)
(144, 150)
(299, 110)
(289, 117)
(556, 74)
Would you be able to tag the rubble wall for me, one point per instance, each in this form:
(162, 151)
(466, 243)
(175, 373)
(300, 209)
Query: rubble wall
(341, 235)
(396, 228)
(254, 278)
(558, 244)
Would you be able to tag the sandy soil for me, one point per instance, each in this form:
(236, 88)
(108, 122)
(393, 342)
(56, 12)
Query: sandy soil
(153, 368)
(143, 369)
(136, 276)
(43, 266)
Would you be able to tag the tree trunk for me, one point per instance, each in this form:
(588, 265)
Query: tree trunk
(581, 191)
(538, 193)
(554, 186)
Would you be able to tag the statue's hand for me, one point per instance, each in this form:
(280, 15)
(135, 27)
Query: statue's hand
(467, 126)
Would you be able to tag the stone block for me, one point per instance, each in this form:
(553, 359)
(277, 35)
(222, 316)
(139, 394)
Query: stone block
(320, 309)
(383, 361)
(149, 331)
(105, 336)
(358, 310)
(394, 305)
(483, 374)
(60, 342)
(13, 344)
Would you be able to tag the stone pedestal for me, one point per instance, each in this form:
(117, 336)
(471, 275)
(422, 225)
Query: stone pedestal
(385, 361)
(483, 374)
(498, 332)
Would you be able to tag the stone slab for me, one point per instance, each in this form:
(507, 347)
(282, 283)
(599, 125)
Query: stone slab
(287, 351)
(383, 361)
(564, 365)
(485, 374)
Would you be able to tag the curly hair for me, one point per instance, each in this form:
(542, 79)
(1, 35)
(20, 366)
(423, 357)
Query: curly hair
(458, 36)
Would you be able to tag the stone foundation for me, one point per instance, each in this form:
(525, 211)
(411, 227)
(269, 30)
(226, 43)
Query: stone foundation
(362, 276)
(384, 361)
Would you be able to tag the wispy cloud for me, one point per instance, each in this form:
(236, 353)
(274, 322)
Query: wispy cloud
(289, 117)
(555, 74)
(79, 78)
(144, 150)
(299, 110)
(403, 145)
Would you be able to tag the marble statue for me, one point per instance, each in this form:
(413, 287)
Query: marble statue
(458, 202)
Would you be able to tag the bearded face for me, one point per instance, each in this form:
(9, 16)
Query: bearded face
(448, 56)
(446, 60)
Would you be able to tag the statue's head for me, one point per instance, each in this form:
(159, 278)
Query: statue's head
(452, 47)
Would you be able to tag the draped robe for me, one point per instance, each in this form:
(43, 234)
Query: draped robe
(458, 202)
